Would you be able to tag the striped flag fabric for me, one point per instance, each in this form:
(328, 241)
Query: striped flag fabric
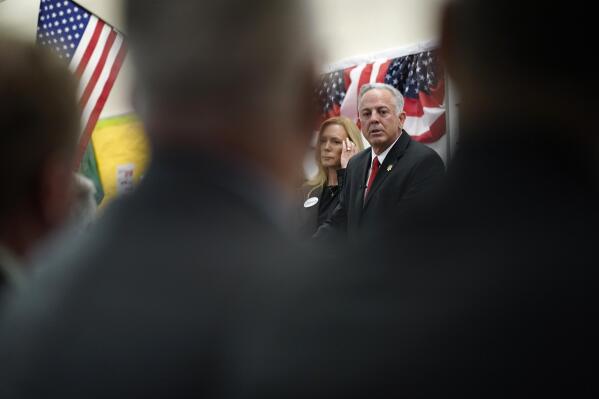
(419, 77)
(94, 50)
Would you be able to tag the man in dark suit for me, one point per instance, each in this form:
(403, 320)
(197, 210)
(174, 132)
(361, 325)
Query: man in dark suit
(386, 179)
(172, 285)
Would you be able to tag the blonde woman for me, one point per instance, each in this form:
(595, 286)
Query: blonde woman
(339, 139)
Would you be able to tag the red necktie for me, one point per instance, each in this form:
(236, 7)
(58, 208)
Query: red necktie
(375, 170)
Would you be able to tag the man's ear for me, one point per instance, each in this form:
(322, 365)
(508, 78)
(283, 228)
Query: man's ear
(54, 196)
(359, 124)
(402, 117)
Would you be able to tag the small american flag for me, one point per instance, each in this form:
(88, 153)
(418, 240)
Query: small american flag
(419, 77)
(94, 50)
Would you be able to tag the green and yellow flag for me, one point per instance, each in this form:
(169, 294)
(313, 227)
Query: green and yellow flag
(117, 157)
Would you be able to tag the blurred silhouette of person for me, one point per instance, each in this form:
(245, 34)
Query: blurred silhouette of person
(408, 169)
(510, 280)
(338, 140)
(157, 300)
(38, 135)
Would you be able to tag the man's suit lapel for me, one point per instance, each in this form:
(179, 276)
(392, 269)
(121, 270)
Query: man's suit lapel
(363, 175)
(392, 157)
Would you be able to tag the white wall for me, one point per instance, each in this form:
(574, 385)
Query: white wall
(351, 27)
(345, 28)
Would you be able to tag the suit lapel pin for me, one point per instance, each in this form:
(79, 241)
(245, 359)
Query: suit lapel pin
(389, 168)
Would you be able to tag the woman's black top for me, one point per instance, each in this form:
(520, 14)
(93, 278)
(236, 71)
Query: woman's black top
(315, 214)
(328, 201)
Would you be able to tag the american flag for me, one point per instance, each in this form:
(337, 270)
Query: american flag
(419, 77)
(94, 50)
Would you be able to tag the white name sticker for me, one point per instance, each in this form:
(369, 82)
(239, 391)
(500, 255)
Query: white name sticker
(310, 202)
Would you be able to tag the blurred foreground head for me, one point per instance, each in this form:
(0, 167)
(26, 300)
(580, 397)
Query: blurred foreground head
(232, 77)
(520, 59)
(38, 136)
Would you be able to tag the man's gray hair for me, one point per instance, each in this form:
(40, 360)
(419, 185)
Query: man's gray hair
(197, 49)
(399, 101)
